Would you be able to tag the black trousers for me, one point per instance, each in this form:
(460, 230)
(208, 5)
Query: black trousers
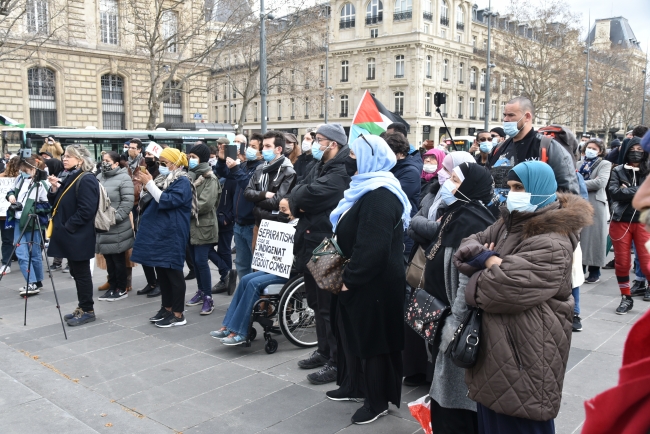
(188, 258)
(452, 420)
(172, 288)
(80, 270)
(150, 274)
(320, 301)
(116, 267)
(224, 250)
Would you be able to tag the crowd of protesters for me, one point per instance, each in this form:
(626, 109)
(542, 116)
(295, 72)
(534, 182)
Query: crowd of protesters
(511, 228)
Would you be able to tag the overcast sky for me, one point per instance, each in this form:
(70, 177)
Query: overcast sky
(637, 13)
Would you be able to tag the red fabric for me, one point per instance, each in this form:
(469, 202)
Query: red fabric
(622, 238)
(625, 409)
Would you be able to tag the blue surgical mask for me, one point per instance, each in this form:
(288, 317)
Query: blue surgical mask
(193, 162)
(268, 155)
(164, 171)
(411, 149)
(511, 128)
(316, 152)
(251, 154)
(486, 147)
(446, 192)
(591, 153)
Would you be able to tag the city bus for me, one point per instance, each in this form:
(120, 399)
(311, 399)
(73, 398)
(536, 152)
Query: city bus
(97, 141)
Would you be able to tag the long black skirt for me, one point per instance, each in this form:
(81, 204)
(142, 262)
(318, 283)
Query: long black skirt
(491, 422)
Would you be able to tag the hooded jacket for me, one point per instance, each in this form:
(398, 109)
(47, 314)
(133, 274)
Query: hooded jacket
(527, 307)
(623, 185)
(313, 200)
(279, 178)
(119, 187)
(241, 174)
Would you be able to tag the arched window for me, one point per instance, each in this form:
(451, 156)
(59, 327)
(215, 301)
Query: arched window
(42, 97)
(344, 106)
(172, 103)
(108, 21)
(460, 18)
(374, 11)
(399, 103)
(170, 30)
(112, 102)
(444, 13)
(402, 6)
(347, 16)
(37, 16)
(345, 70)
(371, 68)
(399, 66)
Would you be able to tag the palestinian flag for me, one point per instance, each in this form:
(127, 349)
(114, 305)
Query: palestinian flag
(372, 118)
(6, 121)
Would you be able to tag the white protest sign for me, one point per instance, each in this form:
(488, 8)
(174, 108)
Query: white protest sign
(274, 248)
(6, 184)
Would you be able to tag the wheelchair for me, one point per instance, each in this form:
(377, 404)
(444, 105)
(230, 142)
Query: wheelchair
(282, 309)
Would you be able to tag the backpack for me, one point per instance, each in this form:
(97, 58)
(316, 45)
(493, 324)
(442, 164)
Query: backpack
(561, 134)
(105, 217)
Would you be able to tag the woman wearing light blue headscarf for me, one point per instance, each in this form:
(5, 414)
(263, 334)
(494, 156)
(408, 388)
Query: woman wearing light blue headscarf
(369, 225)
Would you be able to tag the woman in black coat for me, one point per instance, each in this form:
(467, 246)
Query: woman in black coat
(369, 225)
(76, 199)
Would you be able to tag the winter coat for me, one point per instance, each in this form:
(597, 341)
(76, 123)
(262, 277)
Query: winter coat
(622, 209)
(119, 187)
(204, 228)
(303, 166)
(280, 181)
(73, 236)
(241, 174)
(313, 200)
(527, 305)
(164, 228)
(421, 229)
(225, 207)
(593, 239)
(371, 234)
(427, 187)
(56, 150)
(407, 173)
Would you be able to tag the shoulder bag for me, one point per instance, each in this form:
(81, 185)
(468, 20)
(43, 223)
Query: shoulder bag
(50, 226)
(463, 348)
(327, 264)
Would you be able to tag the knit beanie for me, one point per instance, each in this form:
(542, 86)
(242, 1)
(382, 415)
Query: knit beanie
(202, 151)
(334, 132)
(175, 156)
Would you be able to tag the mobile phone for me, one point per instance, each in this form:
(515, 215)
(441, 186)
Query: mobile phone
(231, 151)
(143, 168)
(242, 148)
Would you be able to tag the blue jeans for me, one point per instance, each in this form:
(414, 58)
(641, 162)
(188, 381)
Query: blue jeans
(22, 252)
(576, 296)
(200, 255)
(637, 267)
(244, 245)
(248, 292)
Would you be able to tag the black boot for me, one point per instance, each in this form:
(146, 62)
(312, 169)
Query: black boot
(146, 290)
(221, 286)
(155, 292)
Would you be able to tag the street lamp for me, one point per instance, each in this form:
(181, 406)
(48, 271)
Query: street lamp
(587, 89)
(490, 65)
(645, 72)
(263, 76)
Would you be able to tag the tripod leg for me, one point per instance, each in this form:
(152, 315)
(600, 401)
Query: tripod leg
(30, 246)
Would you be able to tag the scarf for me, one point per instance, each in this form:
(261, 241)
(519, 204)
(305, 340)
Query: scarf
(162, 182)
(439, 156)
(374, 161)
(135, 162)
(588, 166)
(450, 161)
(267, 169)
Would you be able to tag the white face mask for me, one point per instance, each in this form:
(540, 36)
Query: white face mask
(519, 201)
(306, 146)
(591, 153)
(430, 168)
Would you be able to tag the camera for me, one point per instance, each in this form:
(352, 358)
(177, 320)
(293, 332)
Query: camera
(16, 206)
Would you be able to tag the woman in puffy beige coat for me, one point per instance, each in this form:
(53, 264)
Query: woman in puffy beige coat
(520, 270)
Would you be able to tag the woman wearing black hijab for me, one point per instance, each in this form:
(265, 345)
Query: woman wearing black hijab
(466, 195)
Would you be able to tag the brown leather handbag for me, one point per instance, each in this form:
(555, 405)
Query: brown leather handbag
(327, 264)
(415, 269)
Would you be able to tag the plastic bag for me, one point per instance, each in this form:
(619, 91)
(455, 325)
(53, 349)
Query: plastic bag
(421, 410)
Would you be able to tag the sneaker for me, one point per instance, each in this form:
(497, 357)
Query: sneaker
(106, 296)
(365, 415)
(146, 290)
(342, 395)
(6, 269)
(30, 289)
(208, 305)
(56, 267)
(117, 294)
(190, 276)
(73, 314)
(315, 360)
(638, 288)
(66, 269)
(592, 279)
(172, 321)
(232, 341)
(577, 323)
(162, 314)
(646, 296)
(196, 300)
(625, 306)
(222, 286)
(155, 293)
(81, 318)
(327, 374)
(220, 334)
(610, 265)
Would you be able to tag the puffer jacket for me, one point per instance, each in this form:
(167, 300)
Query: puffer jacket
(280, 178)
(528, 307)
(119, 187)
(204, 229)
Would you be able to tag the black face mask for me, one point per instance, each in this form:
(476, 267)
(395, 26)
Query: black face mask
(150, 161)
(634, 156)
(351, 166)
(284, 216)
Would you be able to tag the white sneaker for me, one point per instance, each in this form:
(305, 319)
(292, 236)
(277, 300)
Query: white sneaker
(30, 289)
(6, 269)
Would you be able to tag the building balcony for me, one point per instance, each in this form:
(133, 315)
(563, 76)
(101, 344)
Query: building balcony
(402, 16)
(370, 77)
(346, 23)
(399, 75)
(374, 19)
(445, 79)
(292, 118)
(279, 118)
(427, 113)
(306, 116)
(482, 87)
(482, 117)
(472, 118)
(461, 82)
(428, 76)
(444, 21)
(399, 112)
(460, 26)
(255, 119)
(444, 114)
(460, 116)
(428, 16)
(472, 86)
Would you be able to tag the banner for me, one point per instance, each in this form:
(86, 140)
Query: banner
(6, 184)
(274, 248)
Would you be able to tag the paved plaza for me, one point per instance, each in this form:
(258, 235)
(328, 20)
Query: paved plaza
(122, 374)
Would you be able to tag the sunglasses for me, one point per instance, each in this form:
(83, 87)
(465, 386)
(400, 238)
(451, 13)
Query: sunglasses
(163, 164)
(484, 139)
(366, 140)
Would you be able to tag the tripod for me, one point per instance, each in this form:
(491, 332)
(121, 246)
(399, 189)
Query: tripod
(34, 223)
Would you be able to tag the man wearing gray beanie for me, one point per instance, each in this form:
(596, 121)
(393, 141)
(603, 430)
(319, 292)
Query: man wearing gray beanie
(333, 132)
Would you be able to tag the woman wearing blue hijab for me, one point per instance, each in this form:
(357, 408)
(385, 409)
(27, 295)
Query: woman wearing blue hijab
(369, 225)
(520, 276)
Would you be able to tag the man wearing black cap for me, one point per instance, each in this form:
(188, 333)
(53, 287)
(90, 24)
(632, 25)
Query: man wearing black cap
(499, 134)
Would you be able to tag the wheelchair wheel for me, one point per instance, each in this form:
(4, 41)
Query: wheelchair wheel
(297, 320)
(271, 346)
(252, 334)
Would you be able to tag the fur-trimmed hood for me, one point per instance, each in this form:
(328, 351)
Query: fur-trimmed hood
(566, 216)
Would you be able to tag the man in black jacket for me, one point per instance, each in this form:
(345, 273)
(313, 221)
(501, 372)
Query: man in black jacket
(312, 201)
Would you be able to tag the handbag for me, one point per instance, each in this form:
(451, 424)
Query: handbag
(326, 265)
(50, 226)
(463, 348)
(415, 269)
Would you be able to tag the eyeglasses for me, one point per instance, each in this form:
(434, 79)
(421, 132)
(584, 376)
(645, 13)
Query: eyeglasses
(322, 140)
(366, 140)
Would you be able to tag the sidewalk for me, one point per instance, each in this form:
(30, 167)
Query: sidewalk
(121, 374)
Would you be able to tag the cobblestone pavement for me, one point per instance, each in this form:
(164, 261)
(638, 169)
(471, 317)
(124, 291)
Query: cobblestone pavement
(121, 374)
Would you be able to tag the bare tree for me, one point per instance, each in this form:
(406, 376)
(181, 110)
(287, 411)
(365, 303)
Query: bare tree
(176, 38)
